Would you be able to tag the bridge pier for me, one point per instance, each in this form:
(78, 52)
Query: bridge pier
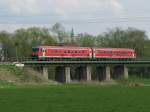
(67, 74)
(103, 73)
(120, 71)
(83, 73)
(45, 72)
(126, 74)
(63, 74)
(108, 73)
(88, 73)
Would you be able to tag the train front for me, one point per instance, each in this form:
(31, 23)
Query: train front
(35, 53)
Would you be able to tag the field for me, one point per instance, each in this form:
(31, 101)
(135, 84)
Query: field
(75, 98)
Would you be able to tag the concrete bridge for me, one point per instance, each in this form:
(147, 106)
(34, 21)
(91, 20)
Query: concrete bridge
(105, 70)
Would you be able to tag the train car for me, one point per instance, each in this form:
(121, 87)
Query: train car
(114, 53)
(59, 52)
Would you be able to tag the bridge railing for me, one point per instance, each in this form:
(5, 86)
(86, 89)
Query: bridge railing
(21, 59)
(14, 59)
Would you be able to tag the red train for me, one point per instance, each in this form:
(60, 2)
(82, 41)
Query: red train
(61, 52)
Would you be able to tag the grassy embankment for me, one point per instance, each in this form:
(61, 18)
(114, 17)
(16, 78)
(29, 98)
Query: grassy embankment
(11, 76)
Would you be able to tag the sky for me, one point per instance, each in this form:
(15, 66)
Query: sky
(92, 16)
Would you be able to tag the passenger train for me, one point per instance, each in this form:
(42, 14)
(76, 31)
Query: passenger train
(43, 53)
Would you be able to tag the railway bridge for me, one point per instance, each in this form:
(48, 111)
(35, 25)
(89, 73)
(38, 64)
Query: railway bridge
(105, 70)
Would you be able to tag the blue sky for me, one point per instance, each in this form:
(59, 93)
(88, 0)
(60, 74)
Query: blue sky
(92, 16)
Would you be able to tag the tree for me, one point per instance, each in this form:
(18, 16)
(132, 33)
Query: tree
(72, 35)
(86, 41)
(60, 33)
(118, 38)
(146, 48)
(7, 43)
(25, 39)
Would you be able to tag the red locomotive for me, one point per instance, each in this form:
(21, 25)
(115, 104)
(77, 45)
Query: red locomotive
(61, 52)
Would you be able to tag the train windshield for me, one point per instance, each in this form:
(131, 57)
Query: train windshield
(35, 49)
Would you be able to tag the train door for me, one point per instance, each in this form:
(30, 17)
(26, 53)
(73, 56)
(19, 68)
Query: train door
(43, 52)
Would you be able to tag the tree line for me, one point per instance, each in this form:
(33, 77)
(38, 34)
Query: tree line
(20, 42)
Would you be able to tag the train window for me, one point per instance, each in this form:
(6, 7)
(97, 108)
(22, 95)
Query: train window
(55, 51)
(35, 49)
(65, 51)
(76, 51)
(101, 52)
(115, 52)
(107, 52)
(124, 52)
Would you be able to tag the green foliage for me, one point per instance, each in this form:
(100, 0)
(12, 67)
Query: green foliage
(118, 38)
(13, 69)
(24, 40)
(146, 50)
(6, 40)
(86, 41)
(60, 34)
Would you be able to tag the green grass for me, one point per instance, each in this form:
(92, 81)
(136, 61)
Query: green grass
(75, 98)
(5, 84)
(134, 80)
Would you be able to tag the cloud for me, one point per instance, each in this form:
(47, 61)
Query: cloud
(116, 4)
(118, 8)
(60, 7)
(57, 10)
(69, 6)
(27, 7)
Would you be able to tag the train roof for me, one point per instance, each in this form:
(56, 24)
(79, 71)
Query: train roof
(60, 47)
(111, 49)
(75, 47)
